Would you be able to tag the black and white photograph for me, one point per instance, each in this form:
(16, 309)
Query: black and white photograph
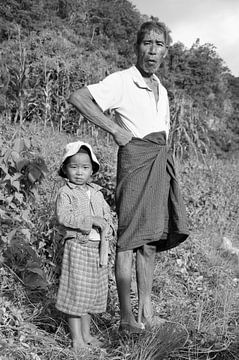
(119, 180)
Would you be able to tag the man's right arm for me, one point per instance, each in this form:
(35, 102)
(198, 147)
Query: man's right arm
(84, 102)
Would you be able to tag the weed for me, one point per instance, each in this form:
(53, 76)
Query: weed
(195, 286)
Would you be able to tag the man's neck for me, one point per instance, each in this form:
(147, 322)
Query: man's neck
(144, 74)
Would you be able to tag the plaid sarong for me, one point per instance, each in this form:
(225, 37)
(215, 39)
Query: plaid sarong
(83, 283)
(149, 204)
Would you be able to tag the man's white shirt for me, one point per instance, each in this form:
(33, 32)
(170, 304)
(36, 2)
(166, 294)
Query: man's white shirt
(133, 101)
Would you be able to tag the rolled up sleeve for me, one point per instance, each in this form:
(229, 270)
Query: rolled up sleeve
(107, 92)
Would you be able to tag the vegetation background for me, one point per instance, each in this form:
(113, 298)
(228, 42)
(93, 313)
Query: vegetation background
(48, 49)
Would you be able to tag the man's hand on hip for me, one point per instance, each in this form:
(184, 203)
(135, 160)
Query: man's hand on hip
(122, 136)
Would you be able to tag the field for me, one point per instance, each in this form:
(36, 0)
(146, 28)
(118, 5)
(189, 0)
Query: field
(195, 287)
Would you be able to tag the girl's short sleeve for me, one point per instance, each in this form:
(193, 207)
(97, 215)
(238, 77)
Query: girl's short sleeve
(108, 92)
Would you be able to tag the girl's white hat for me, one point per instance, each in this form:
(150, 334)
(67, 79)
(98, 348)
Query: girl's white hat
(72, 149)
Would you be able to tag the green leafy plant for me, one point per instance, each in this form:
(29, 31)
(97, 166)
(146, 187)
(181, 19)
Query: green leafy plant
(20, 173)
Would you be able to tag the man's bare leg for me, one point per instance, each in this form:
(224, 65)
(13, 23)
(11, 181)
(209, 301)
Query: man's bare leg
(123, 279)
(85, 329)
(144, 271)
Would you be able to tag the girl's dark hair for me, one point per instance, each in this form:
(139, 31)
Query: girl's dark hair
(83, 149)
(156, 26)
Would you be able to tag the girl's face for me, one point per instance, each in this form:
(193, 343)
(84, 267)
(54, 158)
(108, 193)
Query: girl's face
(78, 169)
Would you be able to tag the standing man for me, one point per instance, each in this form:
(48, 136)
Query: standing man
(150, 210)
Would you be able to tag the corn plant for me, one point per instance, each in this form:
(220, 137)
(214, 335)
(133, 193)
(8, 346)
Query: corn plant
(188, 134)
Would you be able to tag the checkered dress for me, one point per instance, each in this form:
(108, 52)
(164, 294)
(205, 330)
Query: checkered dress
(83, 284)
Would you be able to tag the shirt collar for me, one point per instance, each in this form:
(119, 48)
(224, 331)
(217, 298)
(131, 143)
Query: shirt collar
(93, 186)
(74, 186)
(139, 80)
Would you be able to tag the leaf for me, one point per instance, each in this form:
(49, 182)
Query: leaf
(13, 206)
(3, 344)
(34, 280)
(25, 345)
(4, 168)
(19, 145)
(27, 234)
(3, 214)
(9, 199)
(16, 185)
(35, 356)
(11, 235)
(15, 156)
(36, 170)
(27, 143)
(2, 260)
(25, 216)
(34, 174)
(35, 194)
(6, 156)
(16, 176)
(41, 245)
(21, 164)
(7, 177)
(4, 239)
(36, 270)
(19, 196)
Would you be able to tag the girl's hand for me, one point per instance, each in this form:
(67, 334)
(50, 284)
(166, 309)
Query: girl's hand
(99, 222)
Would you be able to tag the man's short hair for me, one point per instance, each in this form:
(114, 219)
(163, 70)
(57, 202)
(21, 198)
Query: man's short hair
(157, 26)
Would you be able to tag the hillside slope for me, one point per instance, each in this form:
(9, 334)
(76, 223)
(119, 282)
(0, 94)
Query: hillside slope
(195, 286)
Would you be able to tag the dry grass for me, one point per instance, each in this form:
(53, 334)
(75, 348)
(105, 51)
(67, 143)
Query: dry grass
(195, 285)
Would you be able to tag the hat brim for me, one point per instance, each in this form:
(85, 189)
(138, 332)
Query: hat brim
(74, 148)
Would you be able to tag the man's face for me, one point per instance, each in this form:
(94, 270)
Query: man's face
(151, 51)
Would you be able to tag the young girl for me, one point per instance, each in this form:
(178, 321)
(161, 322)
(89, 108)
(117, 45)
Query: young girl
(85, 218)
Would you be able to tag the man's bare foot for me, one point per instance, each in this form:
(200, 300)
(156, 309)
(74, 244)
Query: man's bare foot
(156, 321)
(131, 328)
(93, 341)
(79, 345)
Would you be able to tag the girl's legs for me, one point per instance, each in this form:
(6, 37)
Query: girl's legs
(85, 327)
(76, 332)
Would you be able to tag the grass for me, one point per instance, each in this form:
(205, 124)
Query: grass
(195, 286)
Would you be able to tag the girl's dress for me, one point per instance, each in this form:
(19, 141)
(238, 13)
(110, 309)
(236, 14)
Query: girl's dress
(83, 283)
